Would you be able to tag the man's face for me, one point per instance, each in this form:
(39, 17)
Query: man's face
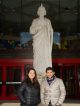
(49, 73)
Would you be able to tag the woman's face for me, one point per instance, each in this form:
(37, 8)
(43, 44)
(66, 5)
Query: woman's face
(31, 74)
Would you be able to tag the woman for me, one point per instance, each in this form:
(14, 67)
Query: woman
(29, 92)
(42, 32)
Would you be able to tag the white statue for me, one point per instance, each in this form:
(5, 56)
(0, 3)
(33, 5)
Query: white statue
(42, 32)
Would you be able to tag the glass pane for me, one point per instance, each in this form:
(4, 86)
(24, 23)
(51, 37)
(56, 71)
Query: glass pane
(68, 78)
(57, 70)
(79, 78)
(0, 80)
(79, 74)
(13, 80)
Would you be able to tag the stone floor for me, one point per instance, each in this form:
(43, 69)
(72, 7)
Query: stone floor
(18, 104)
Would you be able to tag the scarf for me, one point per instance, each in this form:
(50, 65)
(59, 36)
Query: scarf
(49, 80)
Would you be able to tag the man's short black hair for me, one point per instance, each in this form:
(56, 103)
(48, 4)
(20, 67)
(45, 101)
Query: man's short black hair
(49, 68)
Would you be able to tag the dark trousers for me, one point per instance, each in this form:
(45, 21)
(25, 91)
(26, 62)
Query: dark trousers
(24, 104)
(50, 104)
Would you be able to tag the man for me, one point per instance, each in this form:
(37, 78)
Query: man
(52, 89)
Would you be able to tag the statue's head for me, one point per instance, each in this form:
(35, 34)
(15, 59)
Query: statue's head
(41, 11)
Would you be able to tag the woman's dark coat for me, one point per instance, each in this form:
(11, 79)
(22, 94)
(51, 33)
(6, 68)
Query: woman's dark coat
(29, 94)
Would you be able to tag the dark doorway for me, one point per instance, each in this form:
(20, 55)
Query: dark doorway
(69, 74)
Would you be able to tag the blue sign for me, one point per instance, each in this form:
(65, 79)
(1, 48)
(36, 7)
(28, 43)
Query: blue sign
(56, 38)
(25, 37)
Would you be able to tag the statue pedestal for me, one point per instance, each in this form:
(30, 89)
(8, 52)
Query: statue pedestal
(40, 77)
